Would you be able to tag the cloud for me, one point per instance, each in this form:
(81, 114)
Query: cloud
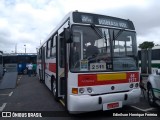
(30, 21)
(144, 16)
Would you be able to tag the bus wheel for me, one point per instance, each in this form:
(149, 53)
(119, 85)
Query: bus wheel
(54, 90)
(151, 97)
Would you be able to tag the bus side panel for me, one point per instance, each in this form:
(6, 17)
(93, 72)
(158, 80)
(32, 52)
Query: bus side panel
(50, 71)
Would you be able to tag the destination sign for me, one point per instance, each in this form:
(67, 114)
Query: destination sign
(89, 18)
(110, 22)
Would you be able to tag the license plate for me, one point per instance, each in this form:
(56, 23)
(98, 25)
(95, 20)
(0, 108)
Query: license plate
(113, 105)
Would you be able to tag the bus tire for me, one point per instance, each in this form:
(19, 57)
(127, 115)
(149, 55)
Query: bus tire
(53, 87)
(151, 96)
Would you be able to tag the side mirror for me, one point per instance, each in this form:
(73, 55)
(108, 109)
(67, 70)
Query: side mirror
(67, 35)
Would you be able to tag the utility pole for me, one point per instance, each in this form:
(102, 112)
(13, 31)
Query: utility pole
(16, 48)
(25, 48)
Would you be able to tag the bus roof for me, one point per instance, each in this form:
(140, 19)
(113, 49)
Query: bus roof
(77, 17)
(18, 54)
(154, 48)
(104, 20)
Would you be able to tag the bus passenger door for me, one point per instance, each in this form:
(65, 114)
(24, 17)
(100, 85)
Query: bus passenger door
(61, 66)
(43, 64)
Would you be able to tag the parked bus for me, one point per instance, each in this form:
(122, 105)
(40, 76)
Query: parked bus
(1, 64)
(90, 62)
(155, 58)
(19, 61)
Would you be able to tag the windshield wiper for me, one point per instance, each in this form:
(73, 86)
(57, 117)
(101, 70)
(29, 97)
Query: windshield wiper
(97, 31)
(100, 34)
(116, 36)
(119, 33)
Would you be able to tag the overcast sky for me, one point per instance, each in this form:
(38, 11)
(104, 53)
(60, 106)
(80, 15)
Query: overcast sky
(28, 22)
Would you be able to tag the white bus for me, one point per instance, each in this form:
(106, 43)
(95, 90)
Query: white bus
(153, 88)
(1, 64)
(155, 58)
(90, 62)
(153, 80)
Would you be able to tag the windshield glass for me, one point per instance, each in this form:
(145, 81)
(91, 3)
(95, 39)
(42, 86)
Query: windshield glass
(102, 49)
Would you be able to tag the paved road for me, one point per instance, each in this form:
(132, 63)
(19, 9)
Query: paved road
(33, 96)
(7, 82)
(30, 95)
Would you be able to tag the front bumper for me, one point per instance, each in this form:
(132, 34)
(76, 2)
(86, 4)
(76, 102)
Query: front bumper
(86, 103)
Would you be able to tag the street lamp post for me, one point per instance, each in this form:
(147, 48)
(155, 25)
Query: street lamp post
(25, 48)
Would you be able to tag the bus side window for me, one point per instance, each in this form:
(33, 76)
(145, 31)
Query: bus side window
(48, 49)
(61, 48)
(53, 46)
(40, 53)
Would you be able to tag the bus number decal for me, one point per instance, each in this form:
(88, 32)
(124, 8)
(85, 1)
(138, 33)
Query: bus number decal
(133, 77)
(97, 66)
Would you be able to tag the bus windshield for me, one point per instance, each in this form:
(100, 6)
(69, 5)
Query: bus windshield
(102, 49)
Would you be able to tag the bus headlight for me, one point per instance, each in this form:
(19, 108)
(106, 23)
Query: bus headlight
(89, 89)
(131, 85)
(136, 85)
(81, 90)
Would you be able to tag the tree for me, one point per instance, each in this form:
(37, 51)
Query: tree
(146, 45)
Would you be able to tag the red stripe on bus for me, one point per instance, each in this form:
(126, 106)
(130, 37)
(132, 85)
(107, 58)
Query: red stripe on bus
(133, 76)
(52, 67)
(87, 80)
(92, 80)
(84, 82)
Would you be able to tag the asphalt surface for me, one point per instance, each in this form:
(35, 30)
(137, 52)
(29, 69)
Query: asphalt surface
(32, 96)
(9, 80)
